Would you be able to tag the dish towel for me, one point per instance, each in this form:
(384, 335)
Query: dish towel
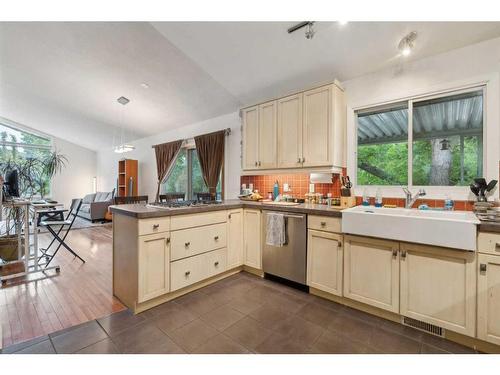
(276, 231)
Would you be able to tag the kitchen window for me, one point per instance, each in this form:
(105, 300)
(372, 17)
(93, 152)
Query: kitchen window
(433, 141)
(186, 178)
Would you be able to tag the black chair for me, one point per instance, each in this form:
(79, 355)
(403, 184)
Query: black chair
(172, 197)
(131, 199)
(203, 196)
(65, 224)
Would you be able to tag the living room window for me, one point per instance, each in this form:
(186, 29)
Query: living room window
(25, 151)
(186, 178)
(432, 141)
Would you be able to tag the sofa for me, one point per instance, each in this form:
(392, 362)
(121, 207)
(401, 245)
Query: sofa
(94, 206)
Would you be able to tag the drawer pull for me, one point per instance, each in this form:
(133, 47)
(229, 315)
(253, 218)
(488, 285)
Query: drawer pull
(168, 240)
(403, 254)
(187, 273)
(323, 223)
(482, 267)
(394, 253)
(216, 264)
(216, 238)
(156, 226)
(187, 244)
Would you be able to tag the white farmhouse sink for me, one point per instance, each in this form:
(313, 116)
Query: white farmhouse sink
(454, 229)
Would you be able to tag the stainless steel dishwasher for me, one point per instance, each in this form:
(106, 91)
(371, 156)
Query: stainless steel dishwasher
(288, 261)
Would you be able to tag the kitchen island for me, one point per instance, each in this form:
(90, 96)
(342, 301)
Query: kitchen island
(162, 253)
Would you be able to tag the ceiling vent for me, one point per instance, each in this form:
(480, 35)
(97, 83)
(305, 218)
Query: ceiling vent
(423, 326)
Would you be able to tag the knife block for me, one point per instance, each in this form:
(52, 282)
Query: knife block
(347, 202)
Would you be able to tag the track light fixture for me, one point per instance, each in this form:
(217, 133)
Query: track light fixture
(309, 25)
(407, 43)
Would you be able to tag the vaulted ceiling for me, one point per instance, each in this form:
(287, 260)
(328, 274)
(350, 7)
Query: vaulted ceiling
(64, 78)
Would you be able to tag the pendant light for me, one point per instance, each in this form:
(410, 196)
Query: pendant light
(122, 147)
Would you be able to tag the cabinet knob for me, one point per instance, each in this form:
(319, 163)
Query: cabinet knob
(216, 264)
(303, 160)
(482, 267)
(187, 273)
(403, 254)
(216, 238)
(187, 244)
(256, 163)
(229, 216)
(168, 240)
(323, 223)
(394, 253)
(156, 226)
(259, 163)
(298, 160)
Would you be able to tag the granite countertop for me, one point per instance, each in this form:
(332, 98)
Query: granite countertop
(141, 211)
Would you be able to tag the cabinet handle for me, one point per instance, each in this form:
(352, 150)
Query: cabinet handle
(216, 264)
(187, 273)
(168, 240)
(259, 163)
(394, 253)
(323, 223)
(303, 160)
(187, 244)
(403, 254)
(298, 161)
(482, 267)
(216, 238)
(229, 216)
(156, 226)
(256, 163)
(339, 244)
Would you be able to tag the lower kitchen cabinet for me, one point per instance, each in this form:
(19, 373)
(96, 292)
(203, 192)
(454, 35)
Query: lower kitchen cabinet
(153, 266)
(438, 286)
(235, 248)
(371, 271)
(251, 238)
(488, 298)
(325, 261)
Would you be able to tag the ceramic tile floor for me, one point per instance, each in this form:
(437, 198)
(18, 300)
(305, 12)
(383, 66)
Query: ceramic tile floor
(241, 314)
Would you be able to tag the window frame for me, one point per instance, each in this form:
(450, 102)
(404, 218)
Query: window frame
(189, 146)
(410, 101)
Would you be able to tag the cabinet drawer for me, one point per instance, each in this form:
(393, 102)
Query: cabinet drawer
(197, 220)
(189, 242)
(187, 271)
(216, 262)
(328, 224)
(154, 225)
(488, 243)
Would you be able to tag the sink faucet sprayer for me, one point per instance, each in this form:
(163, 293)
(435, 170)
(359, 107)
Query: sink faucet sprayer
(410, 199)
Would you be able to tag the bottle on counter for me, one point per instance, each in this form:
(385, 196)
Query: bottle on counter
(366, 198)
(448, 203)
(276, 190)
(378, 198)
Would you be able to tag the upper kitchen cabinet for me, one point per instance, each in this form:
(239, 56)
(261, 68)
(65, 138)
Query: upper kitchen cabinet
(290, 132)
(250, 118)
(304, 130)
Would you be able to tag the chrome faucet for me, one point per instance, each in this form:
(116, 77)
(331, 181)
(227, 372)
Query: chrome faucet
(410, 199)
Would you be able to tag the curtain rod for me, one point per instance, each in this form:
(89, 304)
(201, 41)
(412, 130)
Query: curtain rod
(227, 132)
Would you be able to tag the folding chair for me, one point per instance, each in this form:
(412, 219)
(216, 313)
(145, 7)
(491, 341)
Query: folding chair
(68, 223)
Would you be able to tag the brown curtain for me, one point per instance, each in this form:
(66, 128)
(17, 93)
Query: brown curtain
(166, 154)
(210, 149)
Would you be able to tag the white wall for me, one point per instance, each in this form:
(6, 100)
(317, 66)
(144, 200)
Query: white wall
(479, 63)
(75, 180)
(107, 160)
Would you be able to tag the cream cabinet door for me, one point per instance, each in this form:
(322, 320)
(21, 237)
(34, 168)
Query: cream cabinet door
(268, 133)
(154, 266)
(290, 132)
(317, 127)
(371, 272)
(250, 118)
(438, 286)
(325, 261)
(235, 249)
(253, 248)
(488, 298)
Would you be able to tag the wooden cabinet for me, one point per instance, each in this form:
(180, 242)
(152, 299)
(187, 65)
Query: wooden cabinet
(371, 272)
(290, 132)
(251, 238)
(438, 286)
(250, 119)
(267, 136)
(325, 261)
(154, 266)
(316, 137)
(235, 249)
(307, 130)
(127, 178)
(193, 241)
(488, 243)
(488, 298)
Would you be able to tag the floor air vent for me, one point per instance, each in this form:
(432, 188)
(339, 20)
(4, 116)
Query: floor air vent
(422, 326)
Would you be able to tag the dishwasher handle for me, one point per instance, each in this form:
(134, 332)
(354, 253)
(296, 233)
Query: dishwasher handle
(293, 217)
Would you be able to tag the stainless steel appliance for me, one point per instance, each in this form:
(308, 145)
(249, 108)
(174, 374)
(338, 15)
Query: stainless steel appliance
(288, 261)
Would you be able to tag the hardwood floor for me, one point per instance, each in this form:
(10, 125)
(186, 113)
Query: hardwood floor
(81, 292)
